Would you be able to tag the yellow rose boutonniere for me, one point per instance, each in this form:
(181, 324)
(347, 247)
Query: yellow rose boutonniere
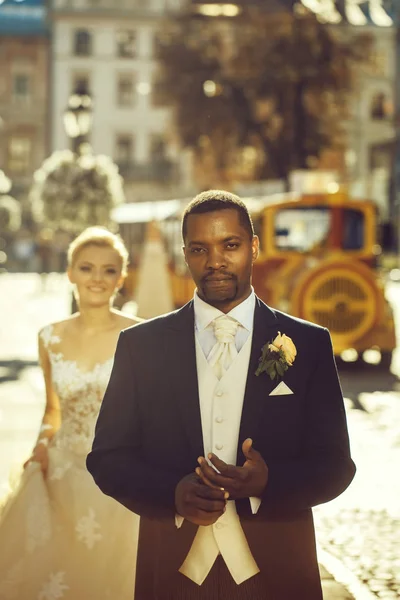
(277, 356)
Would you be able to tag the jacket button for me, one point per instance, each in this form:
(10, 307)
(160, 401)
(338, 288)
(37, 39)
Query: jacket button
(219, 419)
(219, 446)
(219, 393)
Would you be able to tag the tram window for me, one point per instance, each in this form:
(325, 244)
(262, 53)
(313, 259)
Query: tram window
(302, 229)
(353, 230)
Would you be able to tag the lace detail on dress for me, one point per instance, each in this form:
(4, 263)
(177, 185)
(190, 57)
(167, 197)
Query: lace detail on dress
(48, 337)
(80, 393)
(87, 530)
(60, 471)
(54, 588)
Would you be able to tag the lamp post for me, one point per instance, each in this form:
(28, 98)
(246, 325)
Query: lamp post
(78, 118)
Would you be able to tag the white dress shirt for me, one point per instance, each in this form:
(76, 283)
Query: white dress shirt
(204, 315)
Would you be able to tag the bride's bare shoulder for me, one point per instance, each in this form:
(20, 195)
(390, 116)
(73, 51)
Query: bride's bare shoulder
(59, 327)
(123, 320)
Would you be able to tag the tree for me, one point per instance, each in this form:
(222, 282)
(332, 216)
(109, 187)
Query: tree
(261, 95)
(71, 192)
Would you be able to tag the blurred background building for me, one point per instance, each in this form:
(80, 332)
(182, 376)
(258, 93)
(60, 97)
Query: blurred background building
(24, 91)
(121, 56)
(110, 50)
(371, 125)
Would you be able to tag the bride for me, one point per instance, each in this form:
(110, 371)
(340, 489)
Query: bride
(60, 537)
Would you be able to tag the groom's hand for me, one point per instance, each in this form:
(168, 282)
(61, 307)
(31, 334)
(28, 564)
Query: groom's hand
(247, 481)
(198, 503)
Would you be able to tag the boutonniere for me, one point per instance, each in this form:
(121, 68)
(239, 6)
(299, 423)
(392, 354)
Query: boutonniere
(277, 356)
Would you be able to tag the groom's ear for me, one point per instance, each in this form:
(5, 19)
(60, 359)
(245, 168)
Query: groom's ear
(255, 247)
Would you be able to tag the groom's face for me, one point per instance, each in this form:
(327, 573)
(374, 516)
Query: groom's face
(220, 253)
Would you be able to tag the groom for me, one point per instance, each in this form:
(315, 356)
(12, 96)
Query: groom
(222, 455)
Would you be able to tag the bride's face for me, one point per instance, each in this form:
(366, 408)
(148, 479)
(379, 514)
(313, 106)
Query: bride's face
(96, 274)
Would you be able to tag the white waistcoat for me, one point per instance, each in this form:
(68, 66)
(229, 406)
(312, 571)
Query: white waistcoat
(221, 403)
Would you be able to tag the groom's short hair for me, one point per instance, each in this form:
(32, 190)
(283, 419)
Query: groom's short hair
(214, 200)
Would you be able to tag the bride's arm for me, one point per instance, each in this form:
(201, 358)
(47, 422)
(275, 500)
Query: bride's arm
(52, 415)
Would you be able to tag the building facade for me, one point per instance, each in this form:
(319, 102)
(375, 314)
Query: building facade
(24, 92)
(110, 49)
(371, 129)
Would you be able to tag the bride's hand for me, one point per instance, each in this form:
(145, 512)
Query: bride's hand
(40, 455)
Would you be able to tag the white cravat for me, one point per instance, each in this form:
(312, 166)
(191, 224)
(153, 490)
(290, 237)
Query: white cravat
(224, 352)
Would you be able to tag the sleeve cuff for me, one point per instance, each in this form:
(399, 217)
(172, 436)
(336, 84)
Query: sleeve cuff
(178, 521)
(255, 504)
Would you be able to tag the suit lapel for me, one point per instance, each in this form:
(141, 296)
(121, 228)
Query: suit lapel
(266, 326)
(181, 357)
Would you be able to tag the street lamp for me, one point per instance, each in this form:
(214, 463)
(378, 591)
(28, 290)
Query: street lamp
(78, 118)
(212, 88)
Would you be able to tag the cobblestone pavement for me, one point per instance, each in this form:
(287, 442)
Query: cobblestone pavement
(362, 527)
(367, 543)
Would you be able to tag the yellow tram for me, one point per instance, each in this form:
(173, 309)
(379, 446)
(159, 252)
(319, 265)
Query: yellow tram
(318, 261)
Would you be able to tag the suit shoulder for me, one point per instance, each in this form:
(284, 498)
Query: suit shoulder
(151, 326)
(300, 326)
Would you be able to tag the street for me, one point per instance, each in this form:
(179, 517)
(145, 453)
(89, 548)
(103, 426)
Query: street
(358, 533)
(361, 528)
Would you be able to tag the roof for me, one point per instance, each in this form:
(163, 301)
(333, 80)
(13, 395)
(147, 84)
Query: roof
(23, 17)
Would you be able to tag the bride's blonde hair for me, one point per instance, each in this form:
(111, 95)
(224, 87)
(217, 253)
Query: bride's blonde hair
(103, 238)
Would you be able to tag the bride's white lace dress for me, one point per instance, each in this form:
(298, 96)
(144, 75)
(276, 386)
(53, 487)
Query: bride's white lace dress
(60, 537)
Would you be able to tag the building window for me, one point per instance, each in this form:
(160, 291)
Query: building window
(158, 44)
(379, 62)
(126, 43)
(158, 148)
(159, 96)
(124, 150)
(381, 107)
(125, 91)
(82, 43)
(21, 88)
(19, 154)
(81, 82)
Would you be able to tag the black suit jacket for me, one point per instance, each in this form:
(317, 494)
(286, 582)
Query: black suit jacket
(149, 436)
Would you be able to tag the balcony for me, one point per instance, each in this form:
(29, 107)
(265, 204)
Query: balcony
(157, 171)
